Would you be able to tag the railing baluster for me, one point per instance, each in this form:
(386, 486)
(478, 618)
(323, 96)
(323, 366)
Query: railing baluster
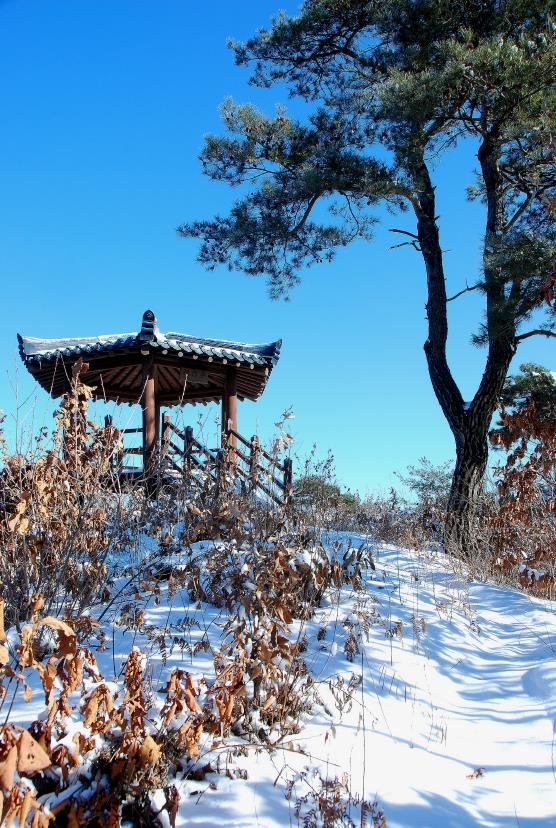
(287, 479)
(165, 435)
(108, 425)
(187, 449)
(254, 462)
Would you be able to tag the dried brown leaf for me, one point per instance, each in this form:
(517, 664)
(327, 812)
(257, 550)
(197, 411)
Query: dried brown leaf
(31, 758)
(25, 807)
(190, 732)
(190, 697)
(149, 752)
(24, 649)
(172, 804)
(23, 526)
(7, 769)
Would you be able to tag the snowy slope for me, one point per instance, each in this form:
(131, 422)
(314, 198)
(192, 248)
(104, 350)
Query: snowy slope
(468, 685)
(437, 700)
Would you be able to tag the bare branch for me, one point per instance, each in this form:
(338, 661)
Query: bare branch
(403, 232)
(414, 244)
(348, 202)
(466, 289)
(536, 332)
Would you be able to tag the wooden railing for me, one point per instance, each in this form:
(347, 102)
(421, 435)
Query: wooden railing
(238, 457)
(181, 454)
(120, 460)
(253, 464)
(191, 454)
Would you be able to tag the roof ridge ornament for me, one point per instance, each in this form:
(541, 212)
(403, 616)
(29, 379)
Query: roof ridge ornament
(149, 328)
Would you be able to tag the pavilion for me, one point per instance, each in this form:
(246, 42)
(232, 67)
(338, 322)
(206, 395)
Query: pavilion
(155, 370)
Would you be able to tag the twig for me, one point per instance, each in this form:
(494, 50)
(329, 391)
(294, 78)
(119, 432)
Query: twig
(466, 289)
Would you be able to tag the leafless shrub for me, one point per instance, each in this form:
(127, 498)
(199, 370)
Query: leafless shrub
(265, 584)
(329, 803)
(58, 514)
(319, 499)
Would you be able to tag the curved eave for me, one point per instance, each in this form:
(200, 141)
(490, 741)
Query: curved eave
(116, 366)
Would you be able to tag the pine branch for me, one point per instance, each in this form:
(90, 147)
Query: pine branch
(537, 332)
(301, 223)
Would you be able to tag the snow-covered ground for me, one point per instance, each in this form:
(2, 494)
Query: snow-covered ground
(437, 701)
(459, 706)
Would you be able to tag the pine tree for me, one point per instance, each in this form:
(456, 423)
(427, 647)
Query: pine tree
(394, 83)
(534, 385)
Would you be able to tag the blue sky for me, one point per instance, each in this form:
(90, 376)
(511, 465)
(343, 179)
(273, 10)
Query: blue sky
(104, 107)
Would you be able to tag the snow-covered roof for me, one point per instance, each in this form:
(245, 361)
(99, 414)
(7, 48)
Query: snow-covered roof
(41, 356)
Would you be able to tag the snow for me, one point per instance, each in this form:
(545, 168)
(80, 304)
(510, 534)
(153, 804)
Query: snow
(442, 708)
(475, 689)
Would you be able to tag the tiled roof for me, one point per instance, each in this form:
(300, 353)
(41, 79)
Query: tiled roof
(34, 350)
(187, 368)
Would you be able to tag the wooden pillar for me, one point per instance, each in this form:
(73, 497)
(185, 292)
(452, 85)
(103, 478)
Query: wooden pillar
(150, 430)
(157, 418)
(229, 415)
(231, 391)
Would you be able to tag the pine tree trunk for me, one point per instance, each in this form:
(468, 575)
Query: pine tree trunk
(469, 423)
(461, 529)
(471, 438)
(471, 435)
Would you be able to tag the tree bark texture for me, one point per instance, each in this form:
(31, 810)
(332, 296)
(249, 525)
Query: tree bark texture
(460, 532)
